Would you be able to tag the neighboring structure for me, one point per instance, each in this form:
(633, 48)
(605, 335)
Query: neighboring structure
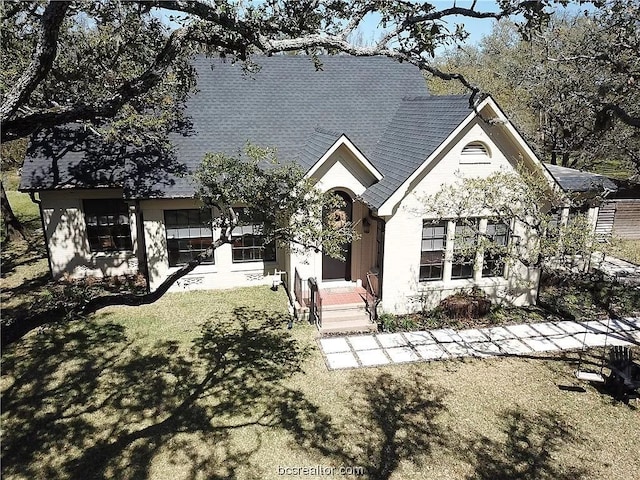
(363, 127)
(616, 210)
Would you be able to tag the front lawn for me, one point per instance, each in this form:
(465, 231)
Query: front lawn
(213, 385)
(628, 250)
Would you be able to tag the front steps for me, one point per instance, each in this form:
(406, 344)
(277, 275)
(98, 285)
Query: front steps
(346, 318)
(343, 311)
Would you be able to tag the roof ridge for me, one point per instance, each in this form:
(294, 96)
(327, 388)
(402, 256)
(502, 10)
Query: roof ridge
(327, 131)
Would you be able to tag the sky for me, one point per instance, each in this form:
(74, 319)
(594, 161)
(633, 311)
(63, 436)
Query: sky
(477, 28)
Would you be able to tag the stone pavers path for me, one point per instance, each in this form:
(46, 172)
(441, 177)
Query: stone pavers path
(355, 351)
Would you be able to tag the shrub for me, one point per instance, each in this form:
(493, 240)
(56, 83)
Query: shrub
(473, 304)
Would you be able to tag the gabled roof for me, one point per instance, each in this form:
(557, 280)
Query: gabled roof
(572, 180)
(287, 104)
(418, 127)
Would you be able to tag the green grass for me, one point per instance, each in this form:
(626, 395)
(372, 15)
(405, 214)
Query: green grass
(214, 385)
(628, 250)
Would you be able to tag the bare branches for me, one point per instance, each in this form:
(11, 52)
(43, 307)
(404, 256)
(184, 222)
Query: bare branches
(41, 63)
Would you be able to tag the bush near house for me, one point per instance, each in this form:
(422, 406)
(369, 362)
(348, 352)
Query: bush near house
(575, 297)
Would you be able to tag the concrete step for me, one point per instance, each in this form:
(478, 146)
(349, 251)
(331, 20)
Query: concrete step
(340, 315)
(344, 307)
(349, 326)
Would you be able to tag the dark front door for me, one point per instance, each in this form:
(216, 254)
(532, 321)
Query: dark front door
(332, 268)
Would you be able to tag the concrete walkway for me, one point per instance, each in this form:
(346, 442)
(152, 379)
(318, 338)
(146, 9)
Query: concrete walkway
(622, 270)
(357, 351)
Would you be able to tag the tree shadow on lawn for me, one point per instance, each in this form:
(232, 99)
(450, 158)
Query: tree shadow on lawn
(82, 401)
(533, 442)
(390, 419)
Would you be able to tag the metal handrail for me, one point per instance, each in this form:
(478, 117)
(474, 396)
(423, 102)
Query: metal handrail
(371, 298)
(301, 289)
(315, 306)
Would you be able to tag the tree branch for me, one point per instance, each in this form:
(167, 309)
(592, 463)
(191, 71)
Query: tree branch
(610, 108)
(41, 63)
(134, 300)
(104, 108)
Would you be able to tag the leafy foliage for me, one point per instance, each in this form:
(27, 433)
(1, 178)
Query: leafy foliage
(292, 208)
(565, 85)
(524, 199)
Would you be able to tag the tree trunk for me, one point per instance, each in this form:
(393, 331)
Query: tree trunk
(13, 228)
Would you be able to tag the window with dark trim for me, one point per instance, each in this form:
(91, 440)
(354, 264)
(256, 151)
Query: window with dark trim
(189, 233)
(248, 241)
(493, 261)
(434, 241)
(108, 228)
(464, 253)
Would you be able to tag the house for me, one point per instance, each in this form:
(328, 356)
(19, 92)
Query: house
(365, 128)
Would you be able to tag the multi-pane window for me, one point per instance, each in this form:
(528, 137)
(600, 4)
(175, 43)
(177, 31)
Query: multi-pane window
(189, 233)
(493, 264)
(248, 241)
(108, 228)
(464, 252)
(434, 241)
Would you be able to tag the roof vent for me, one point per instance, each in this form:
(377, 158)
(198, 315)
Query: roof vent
(475, 152)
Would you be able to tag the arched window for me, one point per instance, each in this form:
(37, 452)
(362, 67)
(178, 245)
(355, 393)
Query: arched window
(475, 152)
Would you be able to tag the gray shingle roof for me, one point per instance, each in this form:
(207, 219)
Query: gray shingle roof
(577, 181)
(286, 104)
(380, 105)
(418, 127)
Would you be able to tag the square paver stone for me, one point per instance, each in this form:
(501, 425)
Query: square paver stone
(419, 338)
(431, 352)
(485, 349)
(498, 333)
(540, 344)
(402, 354)
(445, 335)
(363, 342)
(341, 360)
(371, 358)
(513, 346)
(389, 340)
(547, 329)
(455, 349)
(566, 342)
(596, 326)
(621, 325)
(594, 339)
(472, 335)
(570, 327)
(334, 345)
(621, 339)
(522, 331)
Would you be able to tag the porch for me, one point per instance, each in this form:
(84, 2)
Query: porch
(342, 307)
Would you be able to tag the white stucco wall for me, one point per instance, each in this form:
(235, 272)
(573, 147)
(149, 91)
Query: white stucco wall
(222, 274)
(341, 171)
(66, 234)
(402, 290)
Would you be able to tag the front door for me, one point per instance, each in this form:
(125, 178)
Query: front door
(332, 268)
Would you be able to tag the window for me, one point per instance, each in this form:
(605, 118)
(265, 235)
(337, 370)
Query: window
(248, 239)
(475, 152)
(108, 227)
(464, 252)
(434, 241)
(493, 263)
(189, 233)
